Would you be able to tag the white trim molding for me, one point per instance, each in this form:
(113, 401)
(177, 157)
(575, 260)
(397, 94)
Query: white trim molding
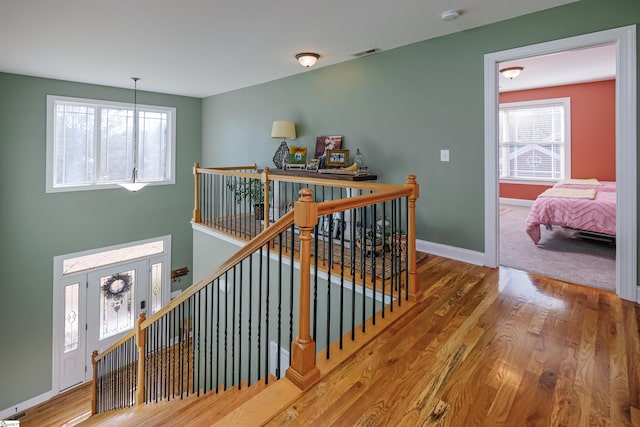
(624, 39)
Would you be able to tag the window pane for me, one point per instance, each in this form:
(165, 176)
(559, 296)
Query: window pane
(116, 303)
(152, 145)
(74, 144)
(156, 287)
(71, 299)
(532, 142)
(116, 144)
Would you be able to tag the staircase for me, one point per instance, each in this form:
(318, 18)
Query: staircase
(292, 286)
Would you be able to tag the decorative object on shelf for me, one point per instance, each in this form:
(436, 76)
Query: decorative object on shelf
(282, 129)
(178, 273)
(297, 155)
(511, 72)
(312, 164)
(360, 160)
(307, 59)
(134, 185)
(116, 286)
(294, 166)
(337, 158)
(324, 143)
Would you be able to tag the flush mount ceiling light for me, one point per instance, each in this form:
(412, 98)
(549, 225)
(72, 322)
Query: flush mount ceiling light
(307, 59)
(450, 15)
(511, 72)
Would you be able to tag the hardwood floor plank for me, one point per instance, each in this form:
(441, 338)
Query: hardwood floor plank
(485, 347)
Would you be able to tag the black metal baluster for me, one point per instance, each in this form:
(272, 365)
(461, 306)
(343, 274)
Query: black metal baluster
(217, 334)
(260, 260)
(205, 353)
(363, 264)
(406, 258)
(279, 325)
(181, 327)
(226, 327)
(354, 214)
(249, 320)
(267, 310)
(291, 275)
(329, 268)
(386, 228)
(240, 328)
(315, 282)
(374, 217)
(233, 325)
(341, 312)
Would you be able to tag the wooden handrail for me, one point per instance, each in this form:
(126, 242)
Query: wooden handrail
(303, 371)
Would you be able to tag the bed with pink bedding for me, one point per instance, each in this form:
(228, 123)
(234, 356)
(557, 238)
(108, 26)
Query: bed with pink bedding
(597, 215)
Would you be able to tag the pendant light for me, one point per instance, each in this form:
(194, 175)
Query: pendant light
(134, 185)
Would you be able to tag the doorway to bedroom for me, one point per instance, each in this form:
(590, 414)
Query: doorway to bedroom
(554, 126)
(622, 157)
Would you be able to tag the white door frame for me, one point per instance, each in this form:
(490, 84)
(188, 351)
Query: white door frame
(624, 39)
(59, 280)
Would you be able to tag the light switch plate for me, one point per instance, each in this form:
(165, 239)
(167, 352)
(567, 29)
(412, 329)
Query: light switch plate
(444, 155)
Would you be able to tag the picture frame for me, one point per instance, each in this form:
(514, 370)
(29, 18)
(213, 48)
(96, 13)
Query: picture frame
(328, 142)
(313, 164)
(337, 158)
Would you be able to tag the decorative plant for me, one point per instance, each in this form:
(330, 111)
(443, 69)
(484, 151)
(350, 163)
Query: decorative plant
(247, 189)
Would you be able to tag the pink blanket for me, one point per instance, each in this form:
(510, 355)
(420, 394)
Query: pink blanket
(598, 215)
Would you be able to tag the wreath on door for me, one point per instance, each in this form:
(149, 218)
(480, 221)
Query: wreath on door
(116, 286)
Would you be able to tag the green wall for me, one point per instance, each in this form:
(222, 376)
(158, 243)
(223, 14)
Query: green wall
(36, 226)
(401, 107)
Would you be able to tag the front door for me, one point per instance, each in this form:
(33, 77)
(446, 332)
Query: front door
(100, 306)
(115, 297)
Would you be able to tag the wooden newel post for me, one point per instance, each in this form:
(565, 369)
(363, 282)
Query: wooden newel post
(303, 371)
(415, 293)
(196, 206)
(265, 183)
(140, 341)
(94, 395)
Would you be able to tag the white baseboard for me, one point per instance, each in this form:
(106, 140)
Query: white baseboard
(464, 255)
(16, 409)
(516, 202)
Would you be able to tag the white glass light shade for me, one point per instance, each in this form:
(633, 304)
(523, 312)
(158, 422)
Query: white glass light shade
(307, 59)
(133, 186)
(283, 129)
(511, 72)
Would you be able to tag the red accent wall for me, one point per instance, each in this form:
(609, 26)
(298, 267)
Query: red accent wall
(593, 132)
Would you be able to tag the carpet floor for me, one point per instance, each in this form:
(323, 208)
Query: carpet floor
(560, 254)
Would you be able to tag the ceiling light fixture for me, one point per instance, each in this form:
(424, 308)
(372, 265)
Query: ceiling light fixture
(307, 59)
(511, 72)
(134, 185)
(450, 15)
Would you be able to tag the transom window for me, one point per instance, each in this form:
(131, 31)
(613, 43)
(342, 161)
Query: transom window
(90, 144)
(534, 140)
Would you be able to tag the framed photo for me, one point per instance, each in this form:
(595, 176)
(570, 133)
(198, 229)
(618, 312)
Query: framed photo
(313, 164)
(324, 143)
(339, 158)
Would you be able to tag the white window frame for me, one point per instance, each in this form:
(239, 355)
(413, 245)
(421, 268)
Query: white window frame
(566, 102)
(50, 169)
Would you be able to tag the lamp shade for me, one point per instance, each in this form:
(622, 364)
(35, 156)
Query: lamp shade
(283, 129)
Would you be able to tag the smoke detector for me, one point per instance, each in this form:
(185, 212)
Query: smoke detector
(450, 15)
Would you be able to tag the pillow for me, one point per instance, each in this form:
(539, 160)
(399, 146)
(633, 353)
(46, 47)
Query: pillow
(297, 155)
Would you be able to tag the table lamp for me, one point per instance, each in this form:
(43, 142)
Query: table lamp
(284, 130)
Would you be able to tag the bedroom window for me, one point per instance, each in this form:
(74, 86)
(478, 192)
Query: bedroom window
(90, 144)
(534, 140)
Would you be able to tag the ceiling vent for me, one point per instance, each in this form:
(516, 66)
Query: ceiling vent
(366, 52)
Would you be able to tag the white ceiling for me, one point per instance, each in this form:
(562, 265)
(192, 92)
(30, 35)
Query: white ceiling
(206, 47)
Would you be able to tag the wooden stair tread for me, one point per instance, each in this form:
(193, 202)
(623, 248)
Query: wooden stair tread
(211, 406)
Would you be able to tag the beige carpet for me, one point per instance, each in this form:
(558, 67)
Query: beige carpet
(560, 254)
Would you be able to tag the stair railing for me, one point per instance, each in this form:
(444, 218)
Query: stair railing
(219, 332)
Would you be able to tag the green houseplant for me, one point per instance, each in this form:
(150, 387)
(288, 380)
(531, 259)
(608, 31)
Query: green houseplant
(251, 190)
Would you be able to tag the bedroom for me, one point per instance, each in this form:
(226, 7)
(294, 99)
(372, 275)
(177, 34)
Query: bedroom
(582, 82)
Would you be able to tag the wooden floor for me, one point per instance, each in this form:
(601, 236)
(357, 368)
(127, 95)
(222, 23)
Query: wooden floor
(486, 347)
